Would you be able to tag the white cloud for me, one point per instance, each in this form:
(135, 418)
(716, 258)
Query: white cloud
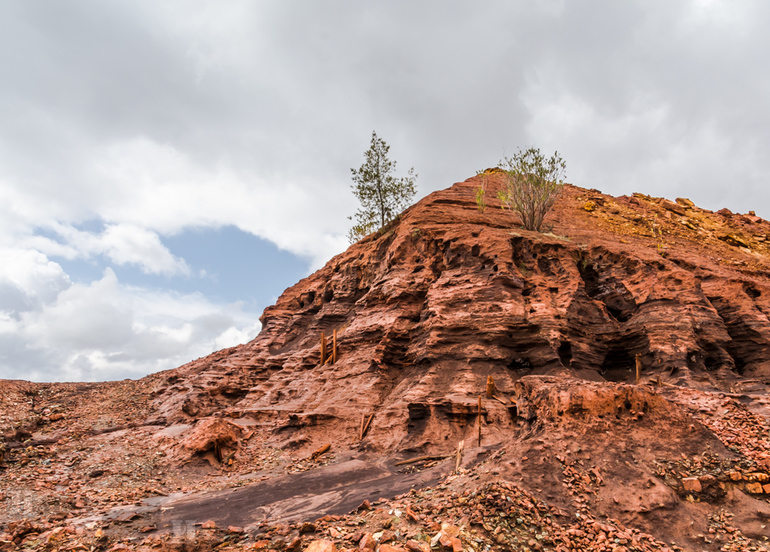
(158, 187)
(659, 98)
(51, 328)
(122, 243)
(28, 280)
(233, 336)
(642, 149)
(125, 244)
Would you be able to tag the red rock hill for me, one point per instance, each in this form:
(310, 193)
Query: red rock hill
(622, 359)
(426, 309)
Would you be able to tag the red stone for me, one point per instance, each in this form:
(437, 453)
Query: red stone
(321, 545)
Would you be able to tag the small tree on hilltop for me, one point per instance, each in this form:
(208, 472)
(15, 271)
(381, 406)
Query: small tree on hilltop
(532, 186)
(382, 195)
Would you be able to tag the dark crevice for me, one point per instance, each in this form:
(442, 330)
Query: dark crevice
(617, 314)
(734, 352)
(618, 364)
(747, 346)
(519, 253)
(519, 363)
(751, 291)
(544, 266)
(619, 302)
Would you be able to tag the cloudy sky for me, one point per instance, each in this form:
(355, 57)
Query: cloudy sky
(168, 168)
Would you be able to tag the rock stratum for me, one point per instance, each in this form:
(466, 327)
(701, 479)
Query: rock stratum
(602, 385)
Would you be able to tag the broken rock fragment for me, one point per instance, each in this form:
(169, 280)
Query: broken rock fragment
(416, 546)
(754, 488)
(447, 537)
(692, 484)
(367, 542)
(389, 548)
(321, 545)
(212, 435)
(307, 527)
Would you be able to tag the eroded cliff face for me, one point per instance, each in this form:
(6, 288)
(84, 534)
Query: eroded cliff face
(446, 296)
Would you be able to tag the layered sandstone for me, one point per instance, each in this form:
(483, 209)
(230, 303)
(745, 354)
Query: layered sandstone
(446, 296)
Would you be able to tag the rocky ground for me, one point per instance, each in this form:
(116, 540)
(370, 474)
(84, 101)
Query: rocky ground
(603, 386)
(567, 481)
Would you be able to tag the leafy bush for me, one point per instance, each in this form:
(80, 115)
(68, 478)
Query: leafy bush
(532, 186)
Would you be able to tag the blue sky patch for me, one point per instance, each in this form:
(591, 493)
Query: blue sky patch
(226, 265)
